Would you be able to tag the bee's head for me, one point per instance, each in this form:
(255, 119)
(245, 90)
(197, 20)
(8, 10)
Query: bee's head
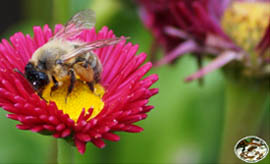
(38, 79)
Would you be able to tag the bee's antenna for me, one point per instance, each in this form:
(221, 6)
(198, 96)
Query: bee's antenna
(18, 71)
(39, 93)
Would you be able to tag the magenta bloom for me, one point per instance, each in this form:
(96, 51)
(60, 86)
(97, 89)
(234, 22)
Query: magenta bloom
(198, 27)
(125, 99)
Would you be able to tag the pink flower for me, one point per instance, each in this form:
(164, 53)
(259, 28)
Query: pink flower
(125, 99)
(206, 28)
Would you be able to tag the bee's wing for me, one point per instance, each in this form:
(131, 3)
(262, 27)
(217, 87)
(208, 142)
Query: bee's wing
(86, 47)
(85, 19)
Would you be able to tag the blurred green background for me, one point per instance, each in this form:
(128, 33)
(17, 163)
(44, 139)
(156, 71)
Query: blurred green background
(185, 125)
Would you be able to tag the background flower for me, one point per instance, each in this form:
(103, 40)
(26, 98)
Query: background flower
(232, 33)
(210, 28)
(125, 99)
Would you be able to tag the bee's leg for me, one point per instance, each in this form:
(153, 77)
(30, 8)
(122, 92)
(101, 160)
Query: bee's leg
(40, 95)
(86, 65)
(86, 73)
(55, 86)
(72, 82)
(91, 86)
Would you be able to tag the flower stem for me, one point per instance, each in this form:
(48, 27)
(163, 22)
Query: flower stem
(245, 106)
(65, 152)
(53, 151)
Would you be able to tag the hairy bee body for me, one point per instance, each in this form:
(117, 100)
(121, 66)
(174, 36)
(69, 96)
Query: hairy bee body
(47, 59)
(63, 58)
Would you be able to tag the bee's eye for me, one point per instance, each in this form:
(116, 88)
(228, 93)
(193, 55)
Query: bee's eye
(41, 76)
(29, 67)
(38, 79)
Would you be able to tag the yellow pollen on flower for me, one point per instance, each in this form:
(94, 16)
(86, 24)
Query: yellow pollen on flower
(246, 22)
(80, 97)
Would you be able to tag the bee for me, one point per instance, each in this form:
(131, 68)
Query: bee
(63, 58)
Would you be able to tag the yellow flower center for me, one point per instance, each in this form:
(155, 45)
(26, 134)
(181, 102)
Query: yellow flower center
(80, 97)
(246, 22)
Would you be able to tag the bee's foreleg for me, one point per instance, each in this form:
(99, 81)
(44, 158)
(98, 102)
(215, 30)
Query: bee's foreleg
(91, 86)
(40, 95)
(72, 82)
(55, 86)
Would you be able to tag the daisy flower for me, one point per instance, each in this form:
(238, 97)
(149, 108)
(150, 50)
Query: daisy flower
(224, 30)
(121, 98)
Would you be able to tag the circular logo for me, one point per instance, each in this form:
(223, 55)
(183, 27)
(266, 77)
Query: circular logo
(251, 149)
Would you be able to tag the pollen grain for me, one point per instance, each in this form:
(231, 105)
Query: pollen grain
(80, 97)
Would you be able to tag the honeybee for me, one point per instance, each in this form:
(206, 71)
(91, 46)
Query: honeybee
(62, 58)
